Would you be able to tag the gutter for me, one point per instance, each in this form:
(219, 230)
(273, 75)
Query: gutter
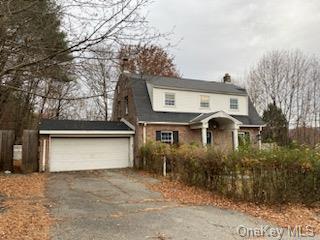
(84, 132)
(256, 126)
(164, 123)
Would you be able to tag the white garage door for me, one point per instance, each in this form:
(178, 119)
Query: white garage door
(70, 154)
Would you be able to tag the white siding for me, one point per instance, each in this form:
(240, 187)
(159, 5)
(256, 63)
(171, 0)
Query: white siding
(150, 91)
(187, 101)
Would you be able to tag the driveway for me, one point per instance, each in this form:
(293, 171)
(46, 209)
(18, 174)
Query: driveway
(118, 205)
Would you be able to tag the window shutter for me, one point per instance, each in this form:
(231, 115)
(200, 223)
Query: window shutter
(175, 137)
(158, 135)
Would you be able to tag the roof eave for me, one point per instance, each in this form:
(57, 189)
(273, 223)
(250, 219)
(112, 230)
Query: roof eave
(85, 132)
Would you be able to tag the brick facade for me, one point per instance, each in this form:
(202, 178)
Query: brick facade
(253, 132)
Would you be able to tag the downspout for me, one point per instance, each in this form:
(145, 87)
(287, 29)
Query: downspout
(144, 133)
(44, 155)
(144, 137)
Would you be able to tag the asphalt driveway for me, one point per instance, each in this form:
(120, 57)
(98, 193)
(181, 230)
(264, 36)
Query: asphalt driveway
(117, 205)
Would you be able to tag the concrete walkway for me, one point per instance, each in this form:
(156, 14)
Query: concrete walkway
(117, 205)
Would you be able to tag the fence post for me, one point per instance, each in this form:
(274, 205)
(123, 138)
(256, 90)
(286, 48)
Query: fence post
(6, 150)
(30, 151)
(164, 166)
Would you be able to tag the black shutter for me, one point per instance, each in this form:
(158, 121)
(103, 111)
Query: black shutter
(175, 137)
(158, 135)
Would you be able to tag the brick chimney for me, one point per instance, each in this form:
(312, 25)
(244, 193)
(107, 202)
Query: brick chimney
(227, 78)
(124, 65)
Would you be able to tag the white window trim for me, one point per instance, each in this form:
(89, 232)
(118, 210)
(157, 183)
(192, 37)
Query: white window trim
(171, 132)
(208, 107)
(165, 98)
(234, 109)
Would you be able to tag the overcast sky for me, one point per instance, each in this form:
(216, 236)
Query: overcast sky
(230, 35)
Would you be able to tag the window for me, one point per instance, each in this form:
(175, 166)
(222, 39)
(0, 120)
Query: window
(204, 101)
(234, 103)
(170, 99)
(167, 137)
(170, 137)
(126, 105)
(244, 138)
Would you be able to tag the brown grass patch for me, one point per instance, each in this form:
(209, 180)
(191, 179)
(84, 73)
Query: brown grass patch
(281, 215)
(25, 215)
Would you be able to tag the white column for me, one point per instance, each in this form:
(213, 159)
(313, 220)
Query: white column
(204, 135)
(235, 138)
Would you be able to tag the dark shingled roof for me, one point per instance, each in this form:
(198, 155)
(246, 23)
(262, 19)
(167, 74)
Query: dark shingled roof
(192, 85)
(76, 125)
(146, 113)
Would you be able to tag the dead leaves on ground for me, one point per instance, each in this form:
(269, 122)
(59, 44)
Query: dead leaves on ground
(284, 215)
(25, 215)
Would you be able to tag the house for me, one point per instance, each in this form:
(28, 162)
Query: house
(177, 110)
(70, 145)
(170, 110)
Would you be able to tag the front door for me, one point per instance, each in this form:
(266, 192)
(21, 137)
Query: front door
(209, 138)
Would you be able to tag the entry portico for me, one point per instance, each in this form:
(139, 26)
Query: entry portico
(216, 120)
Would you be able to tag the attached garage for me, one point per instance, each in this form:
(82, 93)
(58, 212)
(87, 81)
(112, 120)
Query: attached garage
(85, 145)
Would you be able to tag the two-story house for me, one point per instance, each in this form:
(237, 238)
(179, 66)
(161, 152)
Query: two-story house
(177, 110)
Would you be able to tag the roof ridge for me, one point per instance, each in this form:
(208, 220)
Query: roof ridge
(147, 78)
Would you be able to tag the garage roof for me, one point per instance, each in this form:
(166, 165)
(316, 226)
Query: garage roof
(78, 125)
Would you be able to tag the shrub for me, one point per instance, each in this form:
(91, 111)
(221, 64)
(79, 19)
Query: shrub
(271, 176)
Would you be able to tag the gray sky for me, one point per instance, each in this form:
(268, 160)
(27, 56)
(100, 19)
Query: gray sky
(230, 35)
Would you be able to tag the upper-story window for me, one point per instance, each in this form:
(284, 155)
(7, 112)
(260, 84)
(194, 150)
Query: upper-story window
(204, 101)
(234, 105)
(170, 99)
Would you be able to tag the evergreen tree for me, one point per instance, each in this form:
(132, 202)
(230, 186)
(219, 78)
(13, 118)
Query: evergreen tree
(30, 30)
(276, 129)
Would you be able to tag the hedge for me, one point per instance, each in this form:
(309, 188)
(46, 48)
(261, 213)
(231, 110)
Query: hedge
(269, 176)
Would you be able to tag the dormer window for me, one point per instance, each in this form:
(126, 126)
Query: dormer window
(204, 101)
(170, 99)
(234, 105)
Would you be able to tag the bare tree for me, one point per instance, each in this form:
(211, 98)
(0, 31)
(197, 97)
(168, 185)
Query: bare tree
(44, 43)
(99, 75)
(290, 80)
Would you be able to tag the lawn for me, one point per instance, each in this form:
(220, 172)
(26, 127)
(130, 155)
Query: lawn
(23, 211)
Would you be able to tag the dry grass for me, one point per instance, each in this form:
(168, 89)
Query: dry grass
(26, 216)
(282, 215)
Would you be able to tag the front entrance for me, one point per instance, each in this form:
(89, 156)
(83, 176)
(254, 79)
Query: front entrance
(209, 137)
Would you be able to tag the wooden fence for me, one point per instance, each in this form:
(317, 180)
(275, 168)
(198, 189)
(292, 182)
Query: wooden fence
(6, 150)
(30, 151)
